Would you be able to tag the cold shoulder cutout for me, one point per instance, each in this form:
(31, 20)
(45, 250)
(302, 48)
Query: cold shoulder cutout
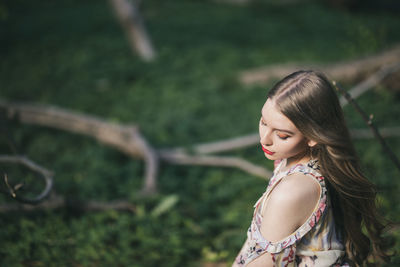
(313, 243)
(289, 205)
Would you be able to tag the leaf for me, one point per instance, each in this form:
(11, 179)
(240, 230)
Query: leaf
(165, 205)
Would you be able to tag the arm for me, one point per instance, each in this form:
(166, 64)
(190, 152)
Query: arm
(234, 264)
(264, 260)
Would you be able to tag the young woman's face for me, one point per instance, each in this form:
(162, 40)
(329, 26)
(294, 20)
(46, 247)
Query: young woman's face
(279, 137)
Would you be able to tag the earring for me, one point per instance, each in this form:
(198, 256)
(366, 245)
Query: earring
(313, 163)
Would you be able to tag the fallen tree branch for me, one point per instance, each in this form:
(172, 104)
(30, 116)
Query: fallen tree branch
(57, 202)
(343, 71)
(130, 19)
(185, 159)
(44, 173)
(218, 146)
(371, 81)
(127, 139)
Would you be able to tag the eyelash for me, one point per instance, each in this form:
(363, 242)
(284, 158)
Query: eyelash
(282, 138)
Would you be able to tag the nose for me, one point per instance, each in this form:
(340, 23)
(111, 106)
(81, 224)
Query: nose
(265, 137)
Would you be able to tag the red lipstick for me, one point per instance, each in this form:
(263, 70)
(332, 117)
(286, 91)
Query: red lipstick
(267, 151)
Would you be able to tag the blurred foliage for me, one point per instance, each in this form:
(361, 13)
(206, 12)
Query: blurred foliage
(73, 54)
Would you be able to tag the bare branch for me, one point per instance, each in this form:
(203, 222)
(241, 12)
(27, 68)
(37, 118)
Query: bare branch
(129, 17)
(184, 159)
(11, 190)
(151, 159)
(344, 71)
(122, 137)
(57, 202)
(127, 139)
(45, 174)
(371, 81)
(219, 146)
(368, 121)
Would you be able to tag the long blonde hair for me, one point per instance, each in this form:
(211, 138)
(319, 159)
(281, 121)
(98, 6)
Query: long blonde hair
(308, 99)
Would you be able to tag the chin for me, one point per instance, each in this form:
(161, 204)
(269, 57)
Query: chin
(270, 157)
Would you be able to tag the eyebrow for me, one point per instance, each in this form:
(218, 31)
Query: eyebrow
(281, 130)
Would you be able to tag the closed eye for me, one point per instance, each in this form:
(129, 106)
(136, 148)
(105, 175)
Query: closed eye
(283, 136)
(262, 122)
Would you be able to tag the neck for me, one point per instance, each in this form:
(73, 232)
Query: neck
(301, 158)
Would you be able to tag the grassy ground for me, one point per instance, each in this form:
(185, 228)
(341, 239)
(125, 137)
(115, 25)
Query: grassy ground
(74, 55)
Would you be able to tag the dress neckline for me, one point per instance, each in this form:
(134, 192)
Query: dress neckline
(312, 166)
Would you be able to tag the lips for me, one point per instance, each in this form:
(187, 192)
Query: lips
(267, 151)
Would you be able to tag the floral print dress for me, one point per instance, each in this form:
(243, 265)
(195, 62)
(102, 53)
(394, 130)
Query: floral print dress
(315, 243)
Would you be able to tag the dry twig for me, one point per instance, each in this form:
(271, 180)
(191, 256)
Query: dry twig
(44, 173)
(368, 120)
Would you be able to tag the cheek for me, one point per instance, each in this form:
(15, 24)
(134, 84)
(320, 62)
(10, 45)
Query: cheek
(294, 146)
(261, 131)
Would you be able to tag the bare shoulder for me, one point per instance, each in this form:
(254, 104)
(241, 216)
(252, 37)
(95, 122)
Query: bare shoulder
(290, 204)
(297, 186)
(295, 193)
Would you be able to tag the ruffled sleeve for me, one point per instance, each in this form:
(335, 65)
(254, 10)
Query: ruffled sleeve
(283, 252)
(286, 257)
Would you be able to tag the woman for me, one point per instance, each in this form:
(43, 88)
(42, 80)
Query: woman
(318, 200)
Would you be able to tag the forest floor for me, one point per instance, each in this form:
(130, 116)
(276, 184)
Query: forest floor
(73, 54)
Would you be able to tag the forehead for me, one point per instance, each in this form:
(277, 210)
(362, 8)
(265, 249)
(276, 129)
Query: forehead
(274, 118)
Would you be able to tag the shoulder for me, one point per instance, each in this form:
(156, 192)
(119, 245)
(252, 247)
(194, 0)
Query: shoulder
(296, 194)
(296, 187)
(290, 204)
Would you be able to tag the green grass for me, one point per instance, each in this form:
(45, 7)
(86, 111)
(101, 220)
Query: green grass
(73, 54)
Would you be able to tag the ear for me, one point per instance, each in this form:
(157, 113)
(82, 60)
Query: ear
(311, 143)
